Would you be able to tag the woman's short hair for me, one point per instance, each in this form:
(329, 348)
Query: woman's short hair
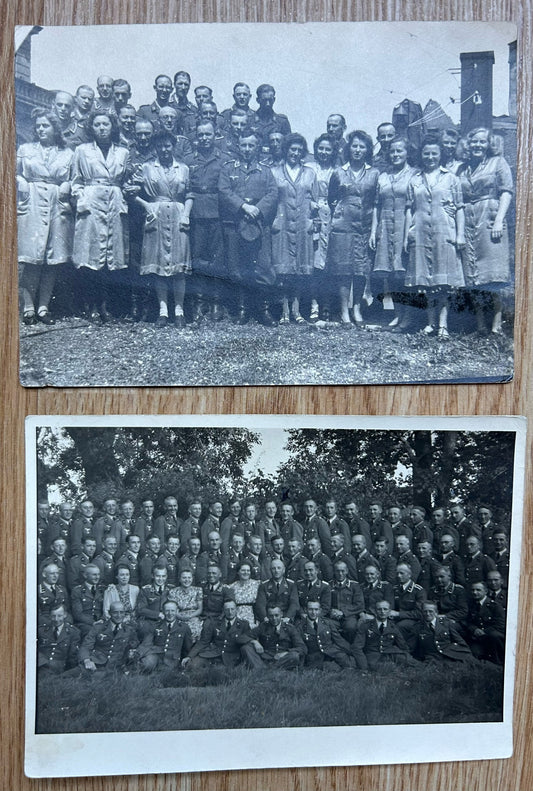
(431, 140)
(161, 136)
(293, 137)
(324, 137)
(115, 129)
(41, 112)
(245, 562)
(367, 140)
(495, 141)
(120, 567)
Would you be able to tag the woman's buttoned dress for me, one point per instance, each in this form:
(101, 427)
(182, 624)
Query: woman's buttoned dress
(323, 176)
(390, 202)
(45, 222)
(292, 230)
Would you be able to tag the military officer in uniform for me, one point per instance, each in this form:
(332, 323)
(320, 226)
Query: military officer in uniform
(148, 561)
(50, 594)
(170, 559)
(188, 112)
(322, 561)
(211, 523)
(168, 523)
(477, 565)
(408, 600)
(362, 556)
(266, 120)
(277, 590)
(60, 524)
(190, 527)
(500, 555)
(280, 644)
(449, 557)
(191, 561)
(78, 563)
(151, 600)
(109, 645)
(163, 89)
(379, 641)
(248, 198)
(214, 593)
(386, 561)
(227, 640)
(405, 555)
(234, 557)
(168, 644)
(449, 596)
(131, 558)
(57, 643)
(314, 526)
(241, 102)
(311, 588)
(375, 590)
(323, 640)
(438, 638)
(214, 556)
(347, 602)
(496, 591)
(107, 524)
(88, 600)
(58, 556)
(485, 626)
(106, 560)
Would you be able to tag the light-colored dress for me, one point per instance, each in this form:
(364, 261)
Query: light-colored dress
(292, 229)
(433, 257)
(188, 600)
(351, 197)
(166, 249)
(323, 176)
(486, 262)
(101, 229)
(45, 222)
(128, 598)
(390, 202)
(245, 594)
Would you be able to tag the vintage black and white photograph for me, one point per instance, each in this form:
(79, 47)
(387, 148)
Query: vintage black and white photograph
(262, 204)
(349, 586)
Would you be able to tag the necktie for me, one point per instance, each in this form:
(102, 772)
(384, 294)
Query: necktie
(160, 590)
(56, 633)
(169, 627)
(93, 590)
(228, 625)
(315, 626)
(53, 589)
(115, 628)
(381, 627)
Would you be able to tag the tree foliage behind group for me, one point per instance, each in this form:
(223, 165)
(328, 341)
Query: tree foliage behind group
(143, 462)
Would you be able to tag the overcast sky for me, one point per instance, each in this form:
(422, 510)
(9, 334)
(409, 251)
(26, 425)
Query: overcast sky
(361, 70)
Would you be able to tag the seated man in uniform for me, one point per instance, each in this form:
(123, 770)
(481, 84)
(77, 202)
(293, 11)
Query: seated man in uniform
(168, 644)
(380, 642)
(277, 590)
(151, 600)
(347, 602)
(226, 640)
(280, 644)
(438, 638)
(109, 645)
(88, 600)
(323, 640)
(57, 643)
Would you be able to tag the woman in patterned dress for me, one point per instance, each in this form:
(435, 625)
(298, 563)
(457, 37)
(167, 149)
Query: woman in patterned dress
(351, 196)
(44, 213)
(124, 592)
(189, 600)
(433, 236)
(388, 219)
(323, 165)
(168, 202)
(487, 185)
(244, 591)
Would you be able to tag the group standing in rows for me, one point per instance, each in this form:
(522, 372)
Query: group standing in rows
(230, 208)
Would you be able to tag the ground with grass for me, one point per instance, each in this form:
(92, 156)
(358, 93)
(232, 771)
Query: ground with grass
(75, 352)
(239, 698)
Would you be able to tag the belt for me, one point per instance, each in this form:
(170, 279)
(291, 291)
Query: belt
(163, 199)
(101, 182)
(43, 180)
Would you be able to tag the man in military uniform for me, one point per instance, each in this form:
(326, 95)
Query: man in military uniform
(61, 524)
(438, 638)
(127, 117)
(169, 120)
(104, 89)
(211, 523)
(280, 644)
(335, 130)
(168, 644)
(405, 555)
(88, 600)
(106, 560)
(464, 527)
(151, 600)
(266, 120)
(496, 592)
(379, 642)
(214, 593)
(83, 104)
(361, 556)
(336, 526)
(441, 526)
(44, 523)
(163, 89)
(322, 561)
(107, 524)
(121, 93)
(191, 561)
(448, 557)
(59, 557)
(295, 563)
(225, 640)
(214, 556)
(311, 588)
(375, 590)
(168, 523)
(241, 102)
(323, 641)
(356, 524)
(188, 112)
(109, 645)
(477, 565)
(258, 559)
(149, 559)
(238, 125)
(275, 150)
(77, 564)
(268, 524)
(250, 525)
(421, 529)
(339, 554)
(289, 527)
(314, 526)
(379, 527)
(408, 600)
(347, 602)
(170, 559)
(63, 107)
(190, 527)
(277, 590)
(131, 558)
(386, 133)
(500, 556)
(248, 198)
(276, 550)
(230, 522)
(57, 643)
(234, 557)
(449, 596)
(485, 626)
(50, 594)
(386, 561)
(428, 565)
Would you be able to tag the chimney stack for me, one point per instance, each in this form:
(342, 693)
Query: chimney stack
(476, 90)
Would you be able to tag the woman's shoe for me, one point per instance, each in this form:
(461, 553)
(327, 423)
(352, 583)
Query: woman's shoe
(284, 320)
(428, 330)
(29, 318)
(299, 319)
(443, 334)
(179, 321)
(45, 317)
(314, 314)
(161, 322)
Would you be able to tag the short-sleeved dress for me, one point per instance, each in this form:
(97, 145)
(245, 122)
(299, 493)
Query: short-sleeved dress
(323, 176)
(434, 261)
(486, 262)
(166, 249)
(391, 197)
(45, 222)
(188, 600)
(245, 594)
(351, 197)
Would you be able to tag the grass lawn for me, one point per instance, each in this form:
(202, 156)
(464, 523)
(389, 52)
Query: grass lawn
(239, 698)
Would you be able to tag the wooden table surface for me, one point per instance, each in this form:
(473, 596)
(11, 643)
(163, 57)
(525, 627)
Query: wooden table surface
(17, 402)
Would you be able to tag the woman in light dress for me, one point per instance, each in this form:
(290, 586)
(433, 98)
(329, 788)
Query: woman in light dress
(244, 591)
(189, 600)
(123, 592)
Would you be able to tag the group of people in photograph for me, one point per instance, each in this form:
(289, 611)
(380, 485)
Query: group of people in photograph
(283, 585)
(237, 212)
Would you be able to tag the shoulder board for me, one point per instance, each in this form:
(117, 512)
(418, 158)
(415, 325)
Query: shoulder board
(417, 587)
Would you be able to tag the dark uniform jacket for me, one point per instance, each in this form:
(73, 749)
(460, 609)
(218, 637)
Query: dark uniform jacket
(477, 568)
(217, 640)
(451, 601)
(500, 597)
(204, 173)
(270, 530)
(80, 528)
(170, 562)
(146, 566)
(215, 558)
(189, 528)
(240, 184)
(173, 644)
(57, 654)
(336, 526)
(106, 563)
(294, 567)
(359, 527)
(106, 526)
(345, 557)
(412, 561)
(59, 528)
(286, 598)
(325, 640)
(260, 565)
(370, 640)
(195, 564)
(501, 559)
(381, 591)
(246, 528)
(422, 532)
(209, 524)
(401, 529)
(76, 567)
(323, 562)
(60, 562)
(489, 616)
(276, 641)
(362, 561)
(144, 528)
(227, 530)
(106, 648)
(380, 528)
(234, 561)
(132, 561)
(86, 606)
(317, 591)
(455, 563)
(165, 526)
(428, 569)
(264, 125)
(290, 529)
(316, 527)
(213, 600)
(48, 599)
(150, 602)
(387, 567)
(443, 641)
(408, 601)
(347, 597)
